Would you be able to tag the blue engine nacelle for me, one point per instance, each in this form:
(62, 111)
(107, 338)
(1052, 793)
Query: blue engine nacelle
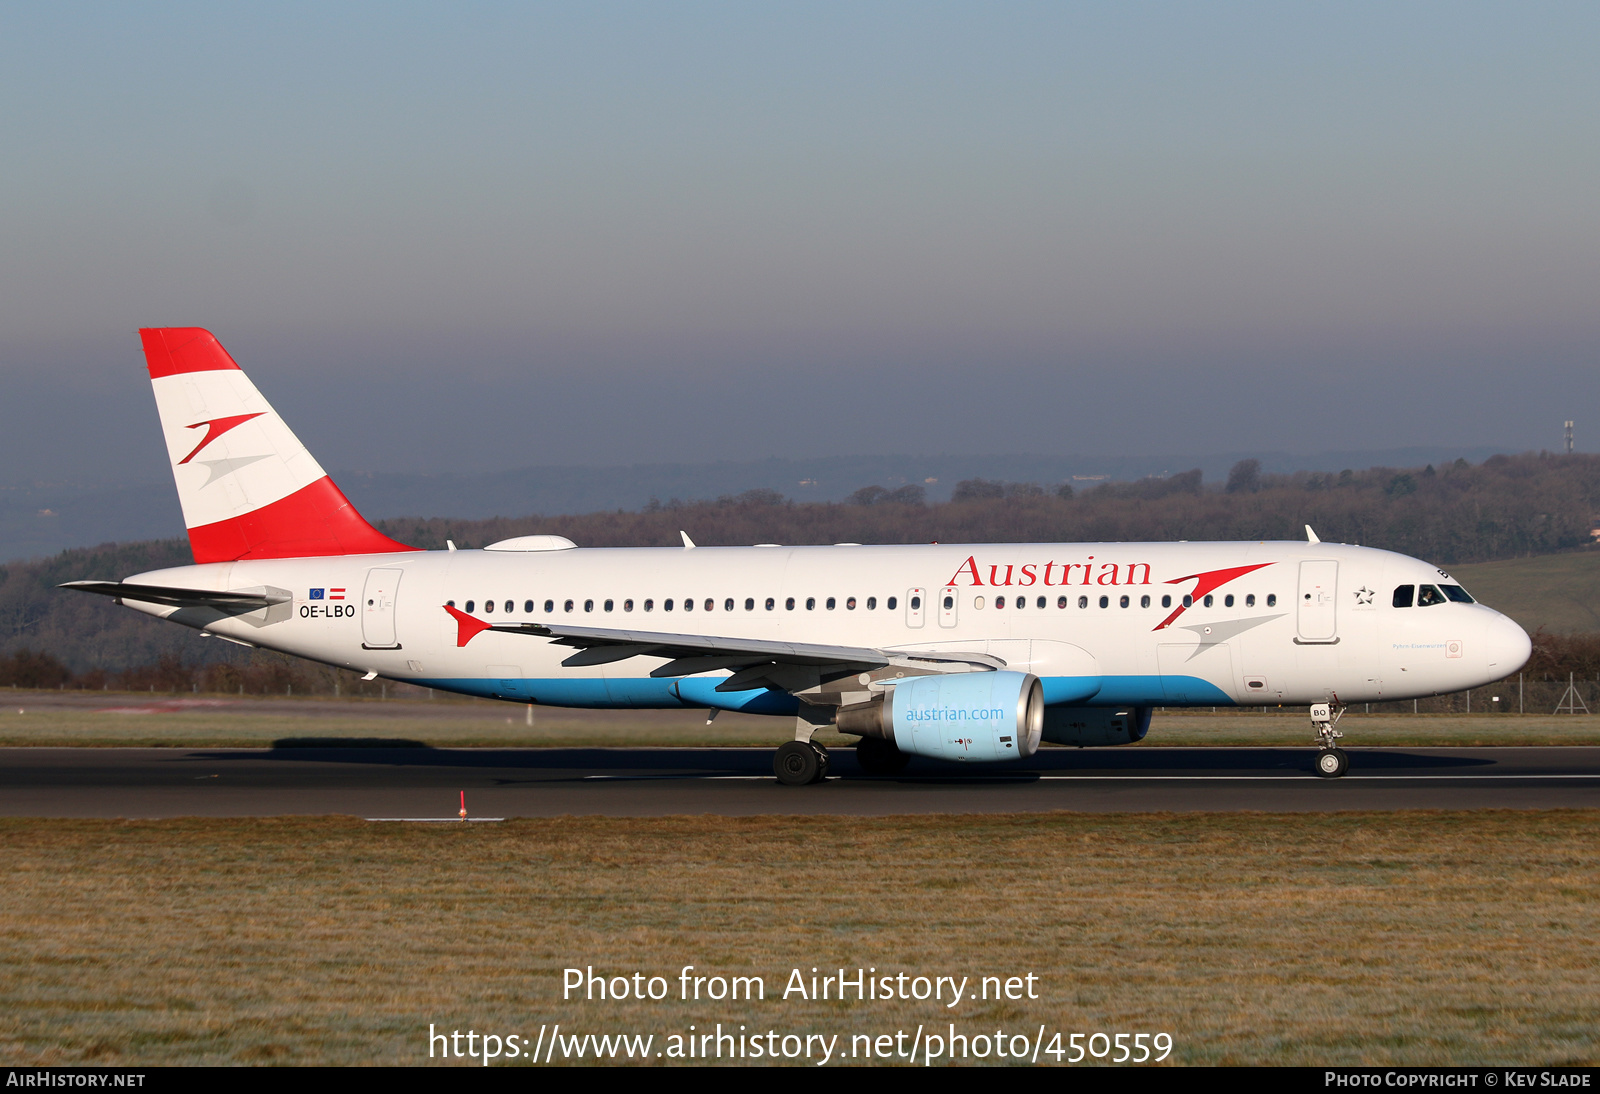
(970, 717)
(1089, 726)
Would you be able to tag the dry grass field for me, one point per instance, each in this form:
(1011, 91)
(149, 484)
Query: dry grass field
(1399, 938)
(52, 719)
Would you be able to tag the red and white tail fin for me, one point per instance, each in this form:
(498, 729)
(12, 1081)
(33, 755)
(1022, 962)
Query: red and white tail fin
(249, 488)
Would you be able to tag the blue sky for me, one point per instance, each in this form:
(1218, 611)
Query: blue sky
(477, 236)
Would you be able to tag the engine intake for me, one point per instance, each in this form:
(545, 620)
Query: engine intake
(969, 717)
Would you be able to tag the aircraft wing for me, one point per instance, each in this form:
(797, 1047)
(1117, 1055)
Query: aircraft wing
(751, 659)
(232, 603)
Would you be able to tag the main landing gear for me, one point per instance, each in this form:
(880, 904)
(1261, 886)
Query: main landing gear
(799, 763)
(1332, 761)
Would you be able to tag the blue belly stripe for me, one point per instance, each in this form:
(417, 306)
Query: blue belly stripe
(699, 692)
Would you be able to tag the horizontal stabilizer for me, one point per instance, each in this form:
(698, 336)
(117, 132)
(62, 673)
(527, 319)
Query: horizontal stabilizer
(181, 598)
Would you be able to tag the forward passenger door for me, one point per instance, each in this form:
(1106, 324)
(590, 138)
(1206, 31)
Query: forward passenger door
(1317, 605)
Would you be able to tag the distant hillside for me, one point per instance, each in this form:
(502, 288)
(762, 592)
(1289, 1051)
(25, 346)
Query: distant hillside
(1458, 515)
(1506, 507)
(39, 519)
(1558, 593)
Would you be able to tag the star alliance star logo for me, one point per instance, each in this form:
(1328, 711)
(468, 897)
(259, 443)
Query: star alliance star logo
(1364, 595)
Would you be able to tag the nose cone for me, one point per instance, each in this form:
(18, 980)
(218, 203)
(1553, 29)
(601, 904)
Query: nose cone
(1508, 644)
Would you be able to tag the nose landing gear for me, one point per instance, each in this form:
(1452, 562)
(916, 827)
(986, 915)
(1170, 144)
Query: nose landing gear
(1332, 761)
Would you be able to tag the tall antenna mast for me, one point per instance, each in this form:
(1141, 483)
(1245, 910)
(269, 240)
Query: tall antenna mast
(1569, 438)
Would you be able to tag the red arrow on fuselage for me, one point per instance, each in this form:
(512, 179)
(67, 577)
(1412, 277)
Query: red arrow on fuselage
(1205, 583)
(467, 627)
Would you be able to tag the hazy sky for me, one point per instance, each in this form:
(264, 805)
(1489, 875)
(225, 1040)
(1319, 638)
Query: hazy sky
(458, 236)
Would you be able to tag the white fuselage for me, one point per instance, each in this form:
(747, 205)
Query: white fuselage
(1298, 623)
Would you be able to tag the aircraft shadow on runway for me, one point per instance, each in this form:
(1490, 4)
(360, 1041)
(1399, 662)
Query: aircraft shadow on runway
(711, 762)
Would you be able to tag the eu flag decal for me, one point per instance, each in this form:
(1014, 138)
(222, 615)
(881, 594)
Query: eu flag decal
(318, 594)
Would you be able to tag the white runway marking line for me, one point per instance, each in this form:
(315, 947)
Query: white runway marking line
(433, 820)
(1291, 778)
(647, 778)
(1091, 778)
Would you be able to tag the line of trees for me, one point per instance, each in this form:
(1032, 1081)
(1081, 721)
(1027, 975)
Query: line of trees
(262, 673)
(1506, 507)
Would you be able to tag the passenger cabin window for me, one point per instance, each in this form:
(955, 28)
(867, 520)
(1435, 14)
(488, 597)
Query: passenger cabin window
(627, 605)
(1022, 602)
(727, 605)
(771, 603)
(999, 602)
(567, 606)
(1061, 602)
(750, 604)
(1428, 596)
(649, 605)
(1227, 601)
(1039, 603)
(811, 603)
(1272, 600)
(1188, 601)
(1250, 600)
(1083, 602)
(666, 605)
(788, 604)
(1208, 600)
(450, 603)
(527, 607)
(1105, 602)
(1123, 602)
(610, 604)
(488, 606)
(469, 607)
(549, 605)
(832, 603)
(510, 607)
(1144, 601)
(889, 604)
(949, 602)
(1166, 602)
(588, 605)
(850, 604)
(1403, 595)
(916, 603)
(688, 603)
(872, 603)
(712, 604)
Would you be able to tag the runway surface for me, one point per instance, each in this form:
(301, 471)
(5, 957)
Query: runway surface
(425, 783)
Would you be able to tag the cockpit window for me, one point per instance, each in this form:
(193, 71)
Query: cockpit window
(1403, 595)
(1457, 594)
(1429, 595)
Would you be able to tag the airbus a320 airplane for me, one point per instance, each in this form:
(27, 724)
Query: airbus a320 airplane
(966, 652)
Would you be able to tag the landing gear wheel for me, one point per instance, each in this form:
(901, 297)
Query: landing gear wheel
(1332, 763)
(797, 763)
(879, 757)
